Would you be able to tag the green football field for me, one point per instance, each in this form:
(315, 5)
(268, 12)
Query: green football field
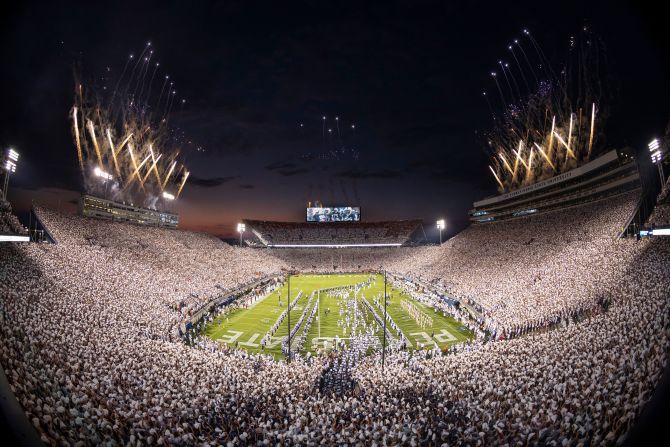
(423, 328)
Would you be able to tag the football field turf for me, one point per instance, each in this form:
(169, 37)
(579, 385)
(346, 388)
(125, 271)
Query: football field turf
(421, 325)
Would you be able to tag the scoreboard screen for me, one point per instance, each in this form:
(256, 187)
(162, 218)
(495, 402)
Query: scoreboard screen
(334, 214)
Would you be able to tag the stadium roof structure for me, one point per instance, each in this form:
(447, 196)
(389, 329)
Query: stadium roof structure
(609, 174)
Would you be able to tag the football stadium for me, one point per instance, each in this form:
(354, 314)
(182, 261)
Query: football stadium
(544, 319)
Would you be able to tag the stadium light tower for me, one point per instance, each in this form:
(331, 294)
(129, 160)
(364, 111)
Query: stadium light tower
(240, 229)
(167, 197)
(656, 157)
(11, 158)
(105, 177)
(441, 226)
(102, 174)
(288, 311)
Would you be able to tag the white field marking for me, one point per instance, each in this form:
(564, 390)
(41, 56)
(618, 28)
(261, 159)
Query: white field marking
(445, 336)
(231, 338)
(273, 342)
(422, 338)
(251, 341)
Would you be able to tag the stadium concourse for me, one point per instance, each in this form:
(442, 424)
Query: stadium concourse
(578, 322)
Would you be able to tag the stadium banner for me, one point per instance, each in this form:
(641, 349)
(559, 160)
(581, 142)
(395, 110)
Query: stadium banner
(334, 214)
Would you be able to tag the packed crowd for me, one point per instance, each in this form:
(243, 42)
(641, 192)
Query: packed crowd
(271, 233)
(176, 267)
(530, 272)
(582, 383)
(86, 347)
(660, 217)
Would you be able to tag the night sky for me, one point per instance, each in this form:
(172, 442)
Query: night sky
(409, 75)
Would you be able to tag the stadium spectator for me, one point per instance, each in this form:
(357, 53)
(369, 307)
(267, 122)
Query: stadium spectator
(87, 340)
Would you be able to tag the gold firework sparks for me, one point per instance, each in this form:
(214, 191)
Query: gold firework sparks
(496, 176)
(183, 182)
(111, 148)
(546, 157)
(91, 130)
(167, 177)
(545, 129)
(593, 122)
(125, 147)
(77, 139)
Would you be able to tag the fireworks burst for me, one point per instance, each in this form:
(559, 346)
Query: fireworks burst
(332, 139)
(554, 124)
(326, 141)
(126, 150)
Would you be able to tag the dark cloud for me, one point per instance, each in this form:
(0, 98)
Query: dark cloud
(209, 182)
(366, 174)
(411, 136)
(421, 163)
(252, 75)
(458, 172)
(292, 172)
(280, 165)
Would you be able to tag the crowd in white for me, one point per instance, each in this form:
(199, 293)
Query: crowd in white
(531, 272)
(661, 214)
(86, 339)
(304, 233)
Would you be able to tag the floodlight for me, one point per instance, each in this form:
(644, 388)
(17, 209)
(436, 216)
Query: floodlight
(440, 226)
(13, 155)
(102, 174)
(10, 166)
(168, 196)
(240, 229)
(656, 157)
